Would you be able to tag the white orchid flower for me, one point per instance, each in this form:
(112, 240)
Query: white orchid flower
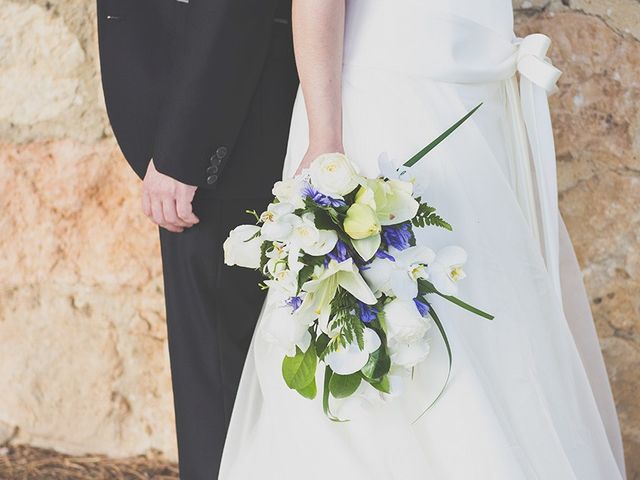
(350, 359)
(286, 328)
(447, 269)
(322, 287)
(290, 191)
(304, 232)
(285, 282)
(279, 220)
(277, 258)
(399, 277)
(306, 237)
(388, 169)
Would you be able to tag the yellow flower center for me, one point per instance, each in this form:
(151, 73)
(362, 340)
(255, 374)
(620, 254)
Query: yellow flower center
(416, 271)
(456, 273)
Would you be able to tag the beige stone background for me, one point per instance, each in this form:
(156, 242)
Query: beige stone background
(83, 356)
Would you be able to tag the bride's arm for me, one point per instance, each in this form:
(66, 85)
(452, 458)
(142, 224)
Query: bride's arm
(318, 34)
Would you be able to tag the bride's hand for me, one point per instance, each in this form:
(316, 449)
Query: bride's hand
(314, 151)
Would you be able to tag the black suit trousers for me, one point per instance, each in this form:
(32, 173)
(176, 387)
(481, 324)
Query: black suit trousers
(212, 308)
(211, 313)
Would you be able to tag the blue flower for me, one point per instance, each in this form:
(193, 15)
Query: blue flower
(423, 307)
(294, 303)
(340, 253)
(398, 236)
(368, 313)
(379, 254)
(385, 255)
(320, 198)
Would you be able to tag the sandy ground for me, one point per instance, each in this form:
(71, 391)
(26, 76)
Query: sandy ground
(22, 462)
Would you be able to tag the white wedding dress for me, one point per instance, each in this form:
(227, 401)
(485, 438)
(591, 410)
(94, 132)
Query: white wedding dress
(528, 396)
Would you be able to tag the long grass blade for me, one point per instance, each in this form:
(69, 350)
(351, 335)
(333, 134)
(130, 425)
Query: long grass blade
(418, 156)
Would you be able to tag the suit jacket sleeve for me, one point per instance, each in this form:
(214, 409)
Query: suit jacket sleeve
(220, 54)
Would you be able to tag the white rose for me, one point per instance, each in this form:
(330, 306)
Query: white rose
(334, 175)
(409, 354)
(289, 191)
(239, 250)
(404, 322)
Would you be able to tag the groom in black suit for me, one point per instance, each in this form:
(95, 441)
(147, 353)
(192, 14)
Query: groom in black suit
(199, 94)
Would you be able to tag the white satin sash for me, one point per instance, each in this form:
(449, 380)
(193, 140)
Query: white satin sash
(460, 50)
(538, 79)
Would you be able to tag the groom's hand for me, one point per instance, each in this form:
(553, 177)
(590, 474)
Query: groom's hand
(166, 201)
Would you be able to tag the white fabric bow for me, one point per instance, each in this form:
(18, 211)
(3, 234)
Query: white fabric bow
(533, 64)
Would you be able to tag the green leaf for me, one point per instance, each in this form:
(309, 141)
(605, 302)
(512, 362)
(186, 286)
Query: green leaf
(446, 342)
(310, 262)
(252, 237)
(342, 386)
(382, 384)
(345, 322)
(378, 365)
(466, 306)
(321, 344)
(265, 248)
(300, 370)
(323, 220)
(426, 216)
(310, 391)
(328, 373)
(254, 214)
(413, 160)
(426, 287)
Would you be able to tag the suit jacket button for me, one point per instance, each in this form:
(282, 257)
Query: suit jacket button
(212, 179)
(222, 152)
(212, 169)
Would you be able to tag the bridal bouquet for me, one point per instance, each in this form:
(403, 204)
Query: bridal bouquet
(349, 285)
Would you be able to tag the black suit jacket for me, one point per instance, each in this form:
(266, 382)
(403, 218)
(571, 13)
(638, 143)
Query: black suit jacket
(179, 78)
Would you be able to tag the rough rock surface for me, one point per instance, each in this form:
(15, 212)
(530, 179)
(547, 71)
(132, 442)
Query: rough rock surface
(597, 131)
(83, 356)
(84, 364)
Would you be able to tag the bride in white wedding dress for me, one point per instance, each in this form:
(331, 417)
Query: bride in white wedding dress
(528, 396)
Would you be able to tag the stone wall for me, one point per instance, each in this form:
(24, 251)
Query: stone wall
(596, 118)
(83, 356)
